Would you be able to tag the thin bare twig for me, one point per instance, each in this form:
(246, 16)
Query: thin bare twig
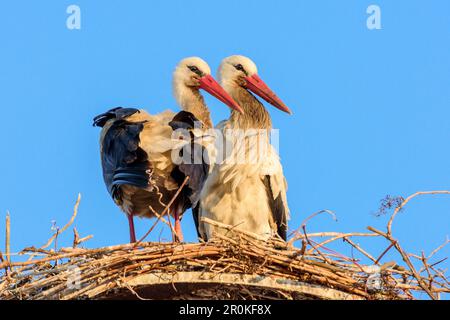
(357, 247)
(166, 209)
(447, 241)
(303, 224)
(384, 252)
(397, 210)
(68, 224)
(8, 237)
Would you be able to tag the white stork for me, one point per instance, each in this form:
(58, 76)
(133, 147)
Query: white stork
(249, 196)
(136, 149)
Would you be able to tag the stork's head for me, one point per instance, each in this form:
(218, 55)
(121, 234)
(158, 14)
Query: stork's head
(193, 74)
(241, 71)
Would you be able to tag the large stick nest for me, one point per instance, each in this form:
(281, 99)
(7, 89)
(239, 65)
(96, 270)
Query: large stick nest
(108, 272)
(235, 266)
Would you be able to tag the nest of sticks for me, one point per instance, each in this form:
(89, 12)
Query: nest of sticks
(235, 266)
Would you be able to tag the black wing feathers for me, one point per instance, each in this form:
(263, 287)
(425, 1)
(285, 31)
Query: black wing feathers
(195, 165)
(115, 113)
(196, 216)
(123, 161)
(278, 210)
(183, 120)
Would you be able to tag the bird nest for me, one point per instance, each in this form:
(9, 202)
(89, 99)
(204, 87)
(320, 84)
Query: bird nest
(232, 266)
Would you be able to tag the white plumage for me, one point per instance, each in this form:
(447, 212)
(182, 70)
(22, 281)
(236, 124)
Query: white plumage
(251, 194)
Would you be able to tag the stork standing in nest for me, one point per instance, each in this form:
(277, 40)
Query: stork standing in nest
(248, 195)
(137, 149)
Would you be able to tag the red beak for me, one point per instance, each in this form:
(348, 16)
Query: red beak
(256, 85)
(211, 86)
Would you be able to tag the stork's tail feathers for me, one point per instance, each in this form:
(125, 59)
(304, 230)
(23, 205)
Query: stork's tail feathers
(115, 113)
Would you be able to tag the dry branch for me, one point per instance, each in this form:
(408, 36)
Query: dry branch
(238, 265)
(8, 238)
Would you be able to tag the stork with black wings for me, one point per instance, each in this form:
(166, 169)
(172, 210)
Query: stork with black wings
(137, 149)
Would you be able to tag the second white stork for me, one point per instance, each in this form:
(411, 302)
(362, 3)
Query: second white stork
(137, 149)
(248, 195)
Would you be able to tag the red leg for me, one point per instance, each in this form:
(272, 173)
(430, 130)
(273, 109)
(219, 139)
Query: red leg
(131, 225)
(178, 232)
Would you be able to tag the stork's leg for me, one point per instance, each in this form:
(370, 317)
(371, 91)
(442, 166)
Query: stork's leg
(131, 225)
(178, 232)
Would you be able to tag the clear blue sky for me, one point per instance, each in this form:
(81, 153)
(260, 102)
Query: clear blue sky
(371, 108)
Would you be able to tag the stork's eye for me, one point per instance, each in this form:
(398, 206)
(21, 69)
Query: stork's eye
(195, 70)
(239, 67)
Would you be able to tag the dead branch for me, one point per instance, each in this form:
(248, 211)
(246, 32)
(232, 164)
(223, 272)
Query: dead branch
(245, 264)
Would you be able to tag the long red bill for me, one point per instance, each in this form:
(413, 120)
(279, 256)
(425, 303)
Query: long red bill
(256, 85)
(211, 86)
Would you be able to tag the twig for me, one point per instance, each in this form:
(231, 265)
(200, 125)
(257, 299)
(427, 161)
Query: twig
(384, 252)
(76, 237)
(344, 235)
(397, 210)
(164, 212)
(338, 235)
(230, 228)
(68, 224)
(438, 262)
(357, 247)
(310, 242)
(425, 265)
(407, 261)
(447, 241)
(84, 239)
(2, 261)
(8, 238)
(295, 232)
